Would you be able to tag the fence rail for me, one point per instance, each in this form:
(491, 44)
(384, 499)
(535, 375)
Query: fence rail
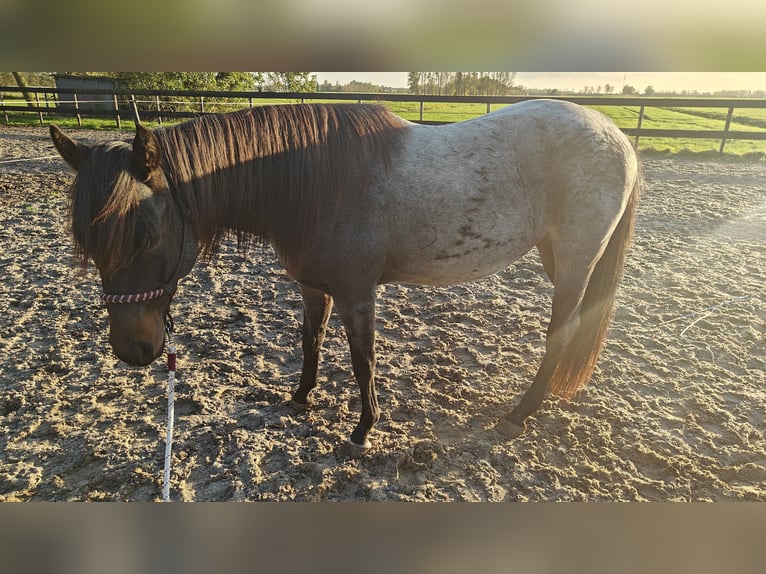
(160, 104)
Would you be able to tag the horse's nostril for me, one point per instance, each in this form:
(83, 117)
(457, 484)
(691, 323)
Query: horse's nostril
(145, 352)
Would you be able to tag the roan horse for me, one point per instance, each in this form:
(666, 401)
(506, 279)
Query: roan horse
(351, 197)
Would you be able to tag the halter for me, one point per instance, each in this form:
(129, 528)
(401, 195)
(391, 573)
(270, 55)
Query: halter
(133, 297)
(154, 293)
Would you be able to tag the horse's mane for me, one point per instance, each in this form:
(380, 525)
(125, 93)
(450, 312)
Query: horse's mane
(103, 208)
(264, 174)
(269, 173)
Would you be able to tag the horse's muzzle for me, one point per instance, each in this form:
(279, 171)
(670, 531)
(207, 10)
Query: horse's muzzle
(136, 333)
(138, 354)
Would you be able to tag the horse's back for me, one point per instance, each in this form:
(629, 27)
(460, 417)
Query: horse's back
(465, 200)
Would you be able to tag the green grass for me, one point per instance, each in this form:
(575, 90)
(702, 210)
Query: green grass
(691, 119)
(33, 120)
(747, 119)
(624, 116)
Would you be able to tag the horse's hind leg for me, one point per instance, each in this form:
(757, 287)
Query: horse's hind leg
(562, 329)
(317, 307)
(545, 248)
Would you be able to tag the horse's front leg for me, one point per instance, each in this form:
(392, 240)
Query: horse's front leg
(317, 307)
(357, 311)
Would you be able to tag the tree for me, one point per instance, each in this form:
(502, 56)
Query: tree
(292, 81)
(649, 91)
(414, 81)
(608, 88)
(461, 83)
(326, 86)
(236, 81)
(362, 87)
(628, 90)
(224, 81)
(213, 81)
(22, 83)
(244, 81)
(37, 79)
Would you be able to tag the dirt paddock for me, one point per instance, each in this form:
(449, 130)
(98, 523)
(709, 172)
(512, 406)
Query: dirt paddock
(675, 410)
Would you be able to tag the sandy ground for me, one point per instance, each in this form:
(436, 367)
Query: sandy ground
(675, 410)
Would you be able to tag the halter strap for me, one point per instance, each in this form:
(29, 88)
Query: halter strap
(154, 293)
(133, 297)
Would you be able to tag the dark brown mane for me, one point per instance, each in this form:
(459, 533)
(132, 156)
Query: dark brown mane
(102, 210)
(263, 174)
(267, 173)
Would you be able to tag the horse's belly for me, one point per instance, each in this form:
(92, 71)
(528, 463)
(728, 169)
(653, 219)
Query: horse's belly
(460, 261)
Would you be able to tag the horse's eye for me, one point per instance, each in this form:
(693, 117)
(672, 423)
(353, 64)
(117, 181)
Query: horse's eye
(145, 237)
(148, 241)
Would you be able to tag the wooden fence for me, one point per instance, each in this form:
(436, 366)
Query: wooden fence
(158, 104)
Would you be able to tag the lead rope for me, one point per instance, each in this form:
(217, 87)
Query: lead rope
(171, 407)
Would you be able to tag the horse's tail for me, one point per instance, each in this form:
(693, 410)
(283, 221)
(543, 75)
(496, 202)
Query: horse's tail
(578, 360)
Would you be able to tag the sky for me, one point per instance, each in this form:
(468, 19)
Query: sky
(660, 81)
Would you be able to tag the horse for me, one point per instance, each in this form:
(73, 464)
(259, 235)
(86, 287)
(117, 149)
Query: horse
(351, 196)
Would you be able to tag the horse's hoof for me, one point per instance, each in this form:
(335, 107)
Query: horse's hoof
(299, 407)
(508, 428)
(364, 446)
(352, 450)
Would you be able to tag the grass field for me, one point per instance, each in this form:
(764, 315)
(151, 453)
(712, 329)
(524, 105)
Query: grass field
(744, 119)
(690, 119)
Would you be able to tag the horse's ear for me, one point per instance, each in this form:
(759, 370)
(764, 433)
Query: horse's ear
(146, 152)
(73, 153)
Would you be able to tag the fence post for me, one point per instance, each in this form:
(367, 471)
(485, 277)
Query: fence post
(159, 117)
(134, 107)
(489, 107)
(117, 112)
(39, 111)
(422, 105)
(2, 105)
(726, 128)
(202, 104)
(640, 121)
(77, 110)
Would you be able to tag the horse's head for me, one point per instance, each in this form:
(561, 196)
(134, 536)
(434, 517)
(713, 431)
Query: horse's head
(124, 219)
